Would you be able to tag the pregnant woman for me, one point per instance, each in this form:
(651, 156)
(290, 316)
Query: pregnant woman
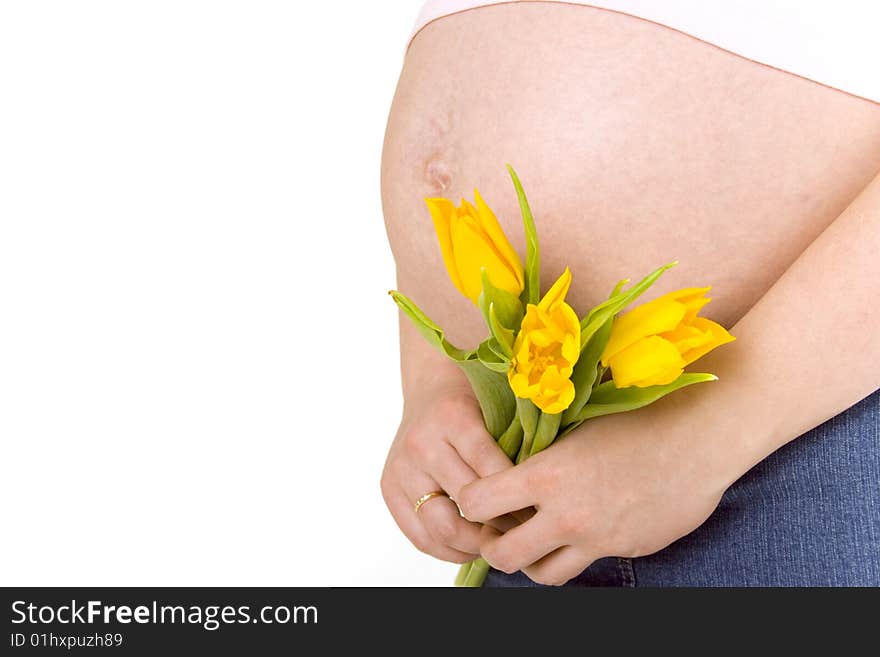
(745, 144)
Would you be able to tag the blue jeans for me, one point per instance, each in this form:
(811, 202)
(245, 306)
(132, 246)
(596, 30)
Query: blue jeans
(808, 515)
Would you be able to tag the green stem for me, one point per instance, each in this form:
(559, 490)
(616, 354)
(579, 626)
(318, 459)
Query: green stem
(512, 438)
(528, 416)
(536, 431)
(475, 575)
(548, 427)
(462, 575)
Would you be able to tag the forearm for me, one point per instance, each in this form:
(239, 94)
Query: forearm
(809, 348)
(423, 369)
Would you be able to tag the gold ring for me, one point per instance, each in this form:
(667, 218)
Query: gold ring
(428, 496)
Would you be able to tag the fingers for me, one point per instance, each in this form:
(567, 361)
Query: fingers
(558, 567)
(503, 524)
(441, 518)
(445, 448)
(411, 525)
(480, 451)
(511, 520)
(440, 515)
(450, 471)
(520, 546)
(498, 494)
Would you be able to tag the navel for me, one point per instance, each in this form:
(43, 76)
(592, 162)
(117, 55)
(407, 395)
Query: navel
(438, 170)
(438, 174)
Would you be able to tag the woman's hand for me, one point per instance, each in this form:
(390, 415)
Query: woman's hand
(623, 485)
(442, 444)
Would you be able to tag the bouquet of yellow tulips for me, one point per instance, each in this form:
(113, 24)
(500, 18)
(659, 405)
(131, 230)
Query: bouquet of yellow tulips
(542, 370)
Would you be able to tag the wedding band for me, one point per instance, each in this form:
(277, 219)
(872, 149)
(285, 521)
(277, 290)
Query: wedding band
(427, 496)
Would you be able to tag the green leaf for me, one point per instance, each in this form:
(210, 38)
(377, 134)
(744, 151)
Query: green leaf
(493, 394)
(607, 399)
(503, 336)
(600, 314)
(528, 415)
(489, 357)
(586, 370)
(599, 374)
(532, 290)
(587, 373)
(500, 349)
(508, 307)
(618, 287)
(431, 332)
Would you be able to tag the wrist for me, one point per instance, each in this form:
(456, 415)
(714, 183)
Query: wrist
(731, 423)
(433, 381)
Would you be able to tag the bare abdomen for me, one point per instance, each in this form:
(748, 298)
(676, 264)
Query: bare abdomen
(637, 145)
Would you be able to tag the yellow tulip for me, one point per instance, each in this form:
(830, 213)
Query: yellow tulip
(652, 344)
(546, 348)
(471, 239)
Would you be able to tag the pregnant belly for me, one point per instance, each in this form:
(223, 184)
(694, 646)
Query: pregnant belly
(637, 145)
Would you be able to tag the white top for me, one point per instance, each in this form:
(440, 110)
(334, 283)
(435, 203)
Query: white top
(834, 43)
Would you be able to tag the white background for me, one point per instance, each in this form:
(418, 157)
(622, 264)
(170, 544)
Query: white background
(198, 359)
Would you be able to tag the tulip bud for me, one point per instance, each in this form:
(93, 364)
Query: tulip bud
(652, 344)
(471, 239)
(546, 350)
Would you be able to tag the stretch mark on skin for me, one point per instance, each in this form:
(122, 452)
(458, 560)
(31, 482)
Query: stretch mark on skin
(438, 171)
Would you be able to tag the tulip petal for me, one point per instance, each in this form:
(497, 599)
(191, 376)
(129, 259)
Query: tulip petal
(469, 210)
(521, 346)
(519, 383)
(562, 400)
(557, 291)
(571, 348)
(661, 378)
(568, 319)
(475, 220)
(686, 294)
(551, 379)
(546, 349)
(492, 228)
(657, 316)
(442, 212)
(618, 300)
(686, 337)
(556, 391)
(718, 336)
(693, 308)
(644, 359)
(531, 321)
(472, 253)
(541, 338)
